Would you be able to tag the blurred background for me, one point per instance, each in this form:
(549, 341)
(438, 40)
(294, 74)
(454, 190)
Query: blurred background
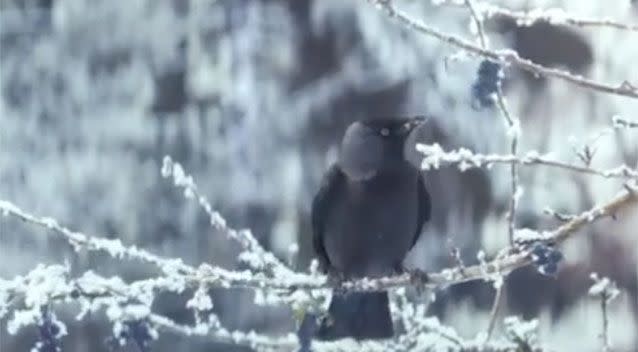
(252, 97)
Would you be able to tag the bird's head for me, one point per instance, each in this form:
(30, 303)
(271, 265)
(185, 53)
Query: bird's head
(375, 145)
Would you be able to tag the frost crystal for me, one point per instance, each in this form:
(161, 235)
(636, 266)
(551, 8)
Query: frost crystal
(520, 330)
(603, 286)
(201, 300)
(22, 318)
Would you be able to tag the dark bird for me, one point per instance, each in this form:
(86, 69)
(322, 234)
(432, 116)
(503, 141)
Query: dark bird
(366, 217)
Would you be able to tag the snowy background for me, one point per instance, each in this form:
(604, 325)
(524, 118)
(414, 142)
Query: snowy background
(252, 98)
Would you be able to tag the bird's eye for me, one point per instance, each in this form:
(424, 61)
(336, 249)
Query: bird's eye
(384, 132)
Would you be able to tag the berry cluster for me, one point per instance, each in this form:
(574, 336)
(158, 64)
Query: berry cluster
(546, 258)
(487, 83)
(137, 332)
(49, 334)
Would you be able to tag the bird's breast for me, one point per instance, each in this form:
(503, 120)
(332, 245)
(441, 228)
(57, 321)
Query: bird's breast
(372, 228)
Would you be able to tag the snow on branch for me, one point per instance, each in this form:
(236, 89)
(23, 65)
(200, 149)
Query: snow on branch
(177, 272)
(254, 255)
(606, 290)
(508, 56)
(128, 308)
(182, 275)
(128, 305)
(435, 157)
(620, 122)
(123, 303)
(556, 16)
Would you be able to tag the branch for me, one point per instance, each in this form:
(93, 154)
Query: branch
(496, 305)
(505, 56)
(556, 16)
(121, 301)
(553, 16)
(606, 290)
(131, 302)
(213, 276)
(620, 122)
(254, 254)
(182, 274)
(464, 159)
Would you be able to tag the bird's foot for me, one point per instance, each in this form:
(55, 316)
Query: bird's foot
(419, 278)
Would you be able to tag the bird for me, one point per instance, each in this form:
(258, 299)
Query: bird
(367, 215)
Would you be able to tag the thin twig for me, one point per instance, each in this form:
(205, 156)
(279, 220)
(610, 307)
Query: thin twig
(512, 126)
(254, 253)
(605, 332)
(558, 215)
(605, 290)
(436, 157)
(494, 312)
(513, 134)
(213, 276)
(505, 56)
(478, 22)
(554, 16)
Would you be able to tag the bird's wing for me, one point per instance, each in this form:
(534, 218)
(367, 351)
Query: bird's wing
(323, 201)
(424, 208)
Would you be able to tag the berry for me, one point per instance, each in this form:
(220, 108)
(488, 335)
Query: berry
(549, 269)
(539, 254)
(487, 83)
(554, 256)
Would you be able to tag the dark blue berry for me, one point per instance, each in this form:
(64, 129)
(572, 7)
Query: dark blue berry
(554, 256)
(135, 331)
(539, 254)
(549, 269)
(546, 258)
(487, 83)
(140, 334)
(75, 294)
(48, 334)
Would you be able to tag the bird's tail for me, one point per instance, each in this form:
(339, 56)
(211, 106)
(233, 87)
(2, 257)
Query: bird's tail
(360, 315)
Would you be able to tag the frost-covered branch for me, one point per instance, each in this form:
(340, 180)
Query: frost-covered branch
(128, 306)
(620, 122)
(508, 57)
(606, 290)
(435, 157)
(254, 254)
(554, 16)
(123, 303)
(175, 270)
(214, 276)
